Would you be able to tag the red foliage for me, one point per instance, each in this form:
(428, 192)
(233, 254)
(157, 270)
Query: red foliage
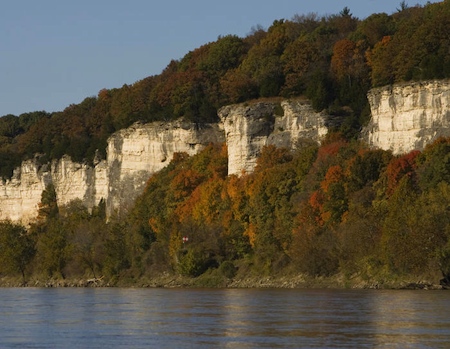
(334, 175)
(272, 156)
(399, 167)
(342, 59)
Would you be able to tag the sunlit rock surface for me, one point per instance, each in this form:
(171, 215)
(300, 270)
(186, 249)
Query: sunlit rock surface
(404, 117)
(134, 154)
(408, 116)
(249, 127)
(137, 152)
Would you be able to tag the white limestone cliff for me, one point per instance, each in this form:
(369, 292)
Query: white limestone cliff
(408, 116)
(137, 152)
(248, 128)
(404, 117)
(133, 155)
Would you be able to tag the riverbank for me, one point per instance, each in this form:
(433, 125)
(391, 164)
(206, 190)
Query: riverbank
(213, 280)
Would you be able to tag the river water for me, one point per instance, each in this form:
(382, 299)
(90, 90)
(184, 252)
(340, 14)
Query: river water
(223, 318)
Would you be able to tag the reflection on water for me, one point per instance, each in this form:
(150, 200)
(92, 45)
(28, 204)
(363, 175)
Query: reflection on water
(224, 318)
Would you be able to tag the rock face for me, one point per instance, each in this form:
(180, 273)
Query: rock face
(133, 155)
(248, 128)
(404, 117)
(408, 116)
(20, 196)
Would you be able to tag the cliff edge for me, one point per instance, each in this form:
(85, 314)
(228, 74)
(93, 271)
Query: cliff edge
(404, 117)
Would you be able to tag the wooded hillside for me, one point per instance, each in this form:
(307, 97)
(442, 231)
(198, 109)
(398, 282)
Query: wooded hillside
(333, 60)
(335, 209)
(338, 209)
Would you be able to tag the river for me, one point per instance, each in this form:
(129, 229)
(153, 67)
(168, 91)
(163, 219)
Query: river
(222, 318)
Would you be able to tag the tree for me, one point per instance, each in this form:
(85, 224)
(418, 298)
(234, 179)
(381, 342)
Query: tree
(52, 249)
(360, 234)
(17, 249)
(298, 60)
(48, 207)
(374, 28)
(400, 167)
(238, 86)
(365, 168)
(87, 241)
(434, 164)
(416, 228)
(345, 12)
(403, 6)
(262, 62)
(380, 61)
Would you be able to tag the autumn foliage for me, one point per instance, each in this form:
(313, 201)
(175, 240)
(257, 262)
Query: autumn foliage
(335, 209)
(333, 60)
(338, 209)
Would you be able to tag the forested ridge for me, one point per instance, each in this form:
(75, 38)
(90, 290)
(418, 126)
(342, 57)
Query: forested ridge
(333, 60)
(338, 209)
(335, 209)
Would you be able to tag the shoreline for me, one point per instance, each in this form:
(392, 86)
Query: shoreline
(298, 281)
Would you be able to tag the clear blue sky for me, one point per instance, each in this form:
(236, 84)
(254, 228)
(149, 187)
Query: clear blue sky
(58, 52)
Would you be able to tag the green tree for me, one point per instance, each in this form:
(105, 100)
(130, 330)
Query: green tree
(404, 233)
(87, 240)
(17, 249)
(48, 207)
(380, 61)
(52, 249)
(434, 164)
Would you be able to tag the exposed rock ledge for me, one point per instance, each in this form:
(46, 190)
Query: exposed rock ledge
(408, 116)
(404, 117)
(135, 153)
(249, 127)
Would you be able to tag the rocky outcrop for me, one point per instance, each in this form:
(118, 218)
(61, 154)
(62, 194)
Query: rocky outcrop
(133, 155)
(20, 196)
(408, 116)
(404, 117)
(249, 127)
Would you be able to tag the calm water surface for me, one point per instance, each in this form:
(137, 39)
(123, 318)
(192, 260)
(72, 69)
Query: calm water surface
(223, 318)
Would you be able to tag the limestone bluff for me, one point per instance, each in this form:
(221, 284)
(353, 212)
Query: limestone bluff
(404, 117)
(408, 116)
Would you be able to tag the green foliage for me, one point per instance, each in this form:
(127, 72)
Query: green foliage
(48, 207)
(17, 248)
(434, 164)
(193, 263)
(321, 210)
(333, 60)
(337, 208)
(228, 269)
(53, 249)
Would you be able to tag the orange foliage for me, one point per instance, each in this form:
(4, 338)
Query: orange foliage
(342, 59)
(251, 233)
(271, 156)
(184, 182)
(327, 152)
(316, 201)
(184, 211)
(154, 224)
(399, 167)
(334, 174)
